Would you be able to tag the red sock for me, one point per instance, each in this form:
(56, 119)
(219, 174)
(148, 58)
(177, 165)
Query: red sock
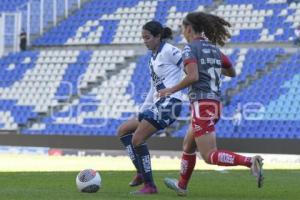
(188, 162)
(228, 158)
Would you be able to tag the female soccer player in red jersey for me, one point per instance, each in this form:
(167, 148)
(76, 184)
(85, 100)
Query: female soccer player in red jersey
(204, 63)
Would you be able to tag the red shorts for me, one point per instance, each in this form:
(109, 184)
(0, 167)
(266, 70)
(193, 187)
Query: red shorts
(205, 114)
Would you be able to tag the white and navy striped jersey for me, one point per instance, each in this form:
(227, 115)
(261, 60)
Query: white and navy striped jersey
(166, 69)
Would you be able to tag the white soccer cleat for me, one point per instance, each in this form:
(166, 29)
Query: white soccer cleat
(173, 185)
(257, 170)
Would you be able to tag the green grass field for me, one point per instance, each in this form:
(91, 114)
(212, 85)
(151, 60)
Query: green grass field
(208, 185)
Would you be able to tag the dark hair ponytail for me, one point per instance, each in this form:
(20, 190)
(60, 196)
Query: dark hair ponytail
(215, 28)
(156, 28)
(167, 33)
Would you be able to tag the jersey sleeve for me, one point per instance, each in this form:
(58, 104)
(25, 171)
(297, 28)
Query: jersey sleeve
(175, 56)
(188, 56)
(149, 99)
(226, 63)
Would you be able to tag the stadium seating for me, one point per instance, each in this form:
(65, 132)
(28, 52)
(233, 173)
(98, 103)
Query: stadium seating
(101, 110)
(247, 62)
(11, 5)
(32, 17)
(35, 82)
(58, 91)
(270, 105)
(118, 22)
(100, 22)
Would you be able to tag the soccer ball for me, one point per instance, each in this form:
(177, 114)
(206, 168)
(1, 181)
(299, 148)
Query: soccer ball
(88, 180)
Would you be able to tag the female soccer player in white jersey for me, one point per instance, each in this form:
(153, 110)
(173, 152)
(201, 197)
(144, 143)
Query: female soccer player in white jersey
(157, 112)
(204, 63)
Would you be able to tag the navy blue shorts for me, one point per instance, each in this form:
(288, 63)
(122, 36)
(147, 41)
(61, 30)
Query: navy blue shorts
(163, 113)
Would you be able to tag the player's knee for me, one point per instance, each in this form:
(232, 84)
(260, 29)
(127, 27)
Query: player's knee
(206, 158)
